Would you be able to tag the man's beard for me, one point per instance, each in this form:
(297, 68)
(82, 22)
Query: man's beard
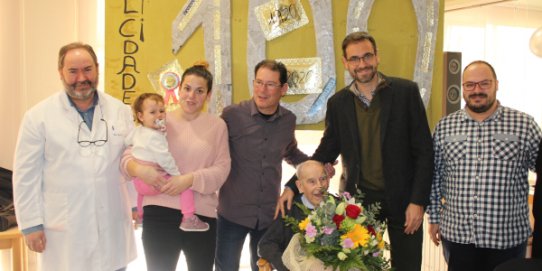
(72, 91)
(365, 78)
(479, 108)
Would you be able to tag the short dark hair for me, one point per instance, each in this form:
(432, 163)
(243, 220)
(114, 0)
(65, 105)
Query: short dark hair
(75, 45)
(200, 69)
(275, 66)
(137, 106)
(356, 37)
(484, 63)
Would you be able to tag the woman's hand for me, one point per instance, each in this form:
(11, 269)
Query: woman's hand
(148, 174)
(177, 184)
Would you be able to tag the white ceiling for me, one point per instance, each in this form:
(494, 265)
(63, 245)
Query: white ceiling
(464, 4)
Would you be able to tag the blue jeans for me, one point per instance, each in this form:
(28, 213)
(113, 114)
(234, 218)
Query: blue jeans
(229, 245)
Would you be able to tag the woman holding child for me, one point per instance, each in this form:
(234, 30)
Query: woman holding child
(198, 143)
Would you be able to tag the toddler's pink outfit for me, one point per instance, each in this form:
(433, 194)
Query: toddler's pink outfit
(149, 146)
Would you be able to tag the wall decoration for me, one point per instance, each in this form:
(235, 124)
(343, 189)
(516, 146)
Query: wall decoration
(323, 30)
(304, 75)
(278, 17)
(315, 110)
(125, 62)
(166, 81)
(427, 24)
(228, 35)
(214, 16)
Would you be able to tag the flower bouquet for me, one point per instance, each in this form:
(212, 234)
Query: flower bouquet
(340, 234)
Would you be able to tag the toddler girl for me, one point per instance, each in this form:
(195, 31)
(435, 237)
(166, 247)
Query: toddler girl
(149, 145)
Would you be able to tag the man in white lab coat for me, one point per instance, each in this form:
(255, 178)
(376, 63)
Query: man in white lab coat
(72, 204)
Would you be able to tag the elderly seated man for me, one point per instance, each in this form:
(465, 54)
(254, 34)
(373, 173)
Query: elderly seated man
(312, 184)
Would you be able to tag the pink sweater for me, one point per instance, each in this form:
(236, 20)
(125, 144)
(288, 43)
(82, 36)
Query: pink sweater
(199, 146)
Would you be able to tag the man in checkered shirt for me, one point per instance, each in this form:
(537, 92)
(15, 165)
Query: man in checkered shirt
(483, 153)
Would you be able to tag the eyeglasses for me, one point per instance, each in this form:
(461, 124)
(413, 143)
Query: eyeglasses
(356, 59)
(485, 84)
(270, 85)
(86, 143)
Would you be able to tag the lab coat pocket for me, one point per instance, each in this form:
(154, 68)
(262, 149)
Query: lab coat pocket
(119, 129)
(55, 211)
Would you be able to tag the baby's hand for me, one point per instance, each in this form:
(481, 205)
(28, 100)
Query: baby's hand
(161, 124)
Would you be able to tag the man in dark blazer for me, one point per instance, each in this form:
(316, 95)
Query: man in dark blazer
(537, 208)
(379, 127)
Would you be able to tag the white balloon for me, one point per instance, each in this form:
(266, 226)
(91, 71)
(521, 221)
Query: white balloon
(536, 42)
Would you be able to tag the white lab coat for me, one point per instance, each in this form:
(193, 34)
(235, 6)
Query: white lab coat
(78, 194)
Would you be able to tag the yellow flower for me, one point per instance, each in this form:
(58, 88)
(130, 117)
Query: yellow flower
(380, 240)
(303, 224)
(359, 235)
(342, 256)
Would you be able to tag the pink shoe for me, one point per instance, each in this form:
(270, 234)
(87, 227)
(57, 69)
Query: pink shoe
(193, 223)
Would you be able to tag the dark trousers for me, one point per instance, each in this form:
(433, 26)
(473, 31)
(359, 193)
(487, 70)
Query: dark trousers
(405, 249)
(229, 245)
(537, 231)
(467, 257)
(163, 241)
(537, 209)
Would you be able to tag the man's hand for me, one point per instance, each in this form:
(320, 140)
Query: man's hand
(434, 233)
(413, 218)
(330, 169)
(177, 184)
(35, 241)
(286, 197)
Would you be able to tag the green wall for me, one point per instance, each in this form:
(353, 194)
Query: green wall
(392, 22)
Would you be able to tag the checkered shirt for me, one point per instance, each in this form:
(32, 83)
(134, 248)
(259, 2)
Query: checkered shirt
(480, 184)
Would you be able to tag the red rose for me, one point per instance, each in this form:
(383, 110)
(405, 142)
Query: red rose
(338, 219)
(371, 230)
(353, 211)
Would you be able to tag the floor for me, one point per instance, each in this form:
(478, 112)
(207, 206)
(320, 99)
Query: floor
(137, 265)
(433, 260)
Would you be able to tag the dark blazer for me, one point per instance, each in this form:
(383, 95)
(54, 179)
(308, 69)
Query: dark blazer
(278, 236)
(537, 208)
(406, 143)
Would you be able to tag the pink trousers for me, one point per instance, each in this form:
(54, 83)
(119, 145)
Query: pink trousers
(143, 189)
